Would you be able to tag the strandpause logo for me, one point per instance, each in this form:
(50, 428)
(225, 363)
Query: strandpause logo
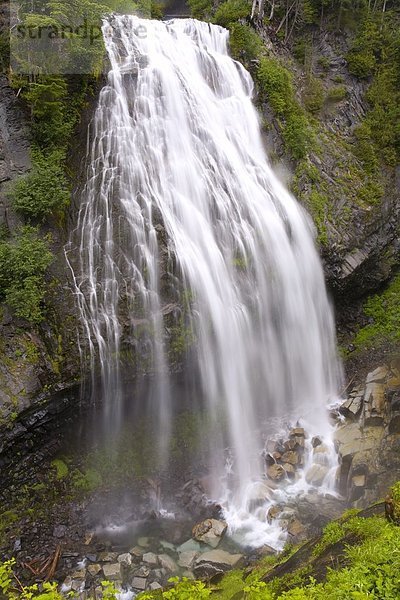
(44, 41)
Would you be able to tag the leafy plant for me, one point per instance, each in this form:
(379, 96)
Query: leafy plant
(44, 190)
(23, 263)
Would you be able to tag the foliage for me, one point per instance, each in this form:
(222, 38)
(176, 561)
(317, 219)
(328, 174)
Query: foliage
(314, 96)
(337, 93)
(44, 190)
(23, 262)
(201, 9)
(383, 311)
(245, 44)
(230, 11)
(276, 85)
(184, 589)
(61, 468)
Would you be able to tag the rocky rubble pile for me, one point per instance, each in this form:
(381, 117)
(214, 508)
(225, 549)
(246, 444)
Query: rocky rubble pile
(368, 437)
(143, 568)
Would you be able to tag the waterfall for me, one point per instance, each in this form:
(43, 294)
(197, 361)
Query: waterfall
(176, 141)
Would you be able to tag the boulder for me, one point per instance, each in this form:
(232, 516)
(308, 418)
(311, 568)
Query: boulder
(125, 559)
(316, 441)
(374, 404)
(112, 571)
(168, 563)
(186, 559)
(378, 375)
(276, 472)
(94, 570)
(351, 408)
(216, 562)
(139, 583)
(290, 470)
(150, 559)
(209, 532)
(297, 431)
(316, 474)
(290, 457)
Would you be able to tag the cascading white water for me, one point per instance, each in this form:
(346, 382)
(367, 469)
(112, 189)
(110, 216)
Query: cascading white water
(176, 138)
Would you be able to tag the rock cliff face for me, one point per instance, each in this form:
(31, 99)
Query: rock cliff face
(34, 364)
(361, 247)
(368, 440)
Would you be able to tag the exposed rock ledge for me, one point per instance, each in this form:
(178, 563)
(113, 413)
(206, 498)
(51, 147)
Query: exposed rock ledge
(368, 441)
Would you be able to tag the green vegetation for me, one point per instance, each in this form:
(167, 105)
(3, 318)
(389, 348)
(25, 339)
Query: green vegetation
(376, 53)
(44, 190)
(61, 468)
(383, 311)
(365, 567)
(23, 262)
(276, 86)
(245, 44)
(231, 11)
(12, 588)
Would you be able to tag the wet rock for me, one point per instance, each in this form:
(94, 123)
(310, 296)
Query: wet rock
(297, 431)
(378, 375)
(143, 542)
(374, 404)
(139, 583)
(316, 474)
(94, 570)
(155, 586)
(136, 552)
(296, 530)
(188, 546)
(290, 457)
(210, 532)
(168, 563)
(112, 571)
(276, 472)
(351, 408)
(269, 459)
(186, 559)
(150, 559)
(316, 441)
(79, 574)
(290, 470)
(59, 531)
(108, 556)
(274, 512)
(143, 571)
(259, 493)
(125, 559)
(215, 562)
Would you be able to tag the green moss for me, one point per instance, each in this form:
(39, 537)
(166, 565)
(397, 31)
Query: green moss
(61, 468)
(383, 310)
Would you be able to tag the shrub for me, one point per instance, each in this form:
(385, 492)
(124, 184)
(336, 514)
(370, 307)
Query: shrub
(337, 93)
(44, 190)
(314, 95)
(201, 9)
(245, 44)
(275, 83)
(297, 135)
(230, 11)
(23, 262)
